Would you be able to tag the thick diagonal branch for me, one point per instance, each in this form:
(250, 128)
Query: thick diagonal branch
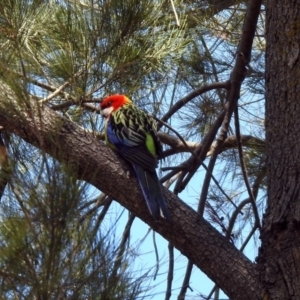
(100, 166)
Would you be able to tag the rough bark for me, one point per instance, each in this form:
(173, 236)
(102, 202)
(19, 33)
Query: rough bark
(98, 165)
(279, 259)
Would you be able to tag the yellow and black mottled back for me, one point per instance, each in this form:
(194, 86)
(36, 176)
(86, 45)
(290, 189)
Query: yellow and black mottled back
(133, 133)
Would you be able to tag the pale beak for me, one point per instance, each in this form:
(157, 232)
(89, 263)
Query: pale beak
(106, 112)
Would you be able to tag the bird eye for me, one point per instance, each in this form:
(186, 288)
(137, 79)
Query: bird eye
(109, 103)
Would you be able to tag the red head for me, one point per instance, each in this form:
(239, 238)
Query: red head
(112, 103)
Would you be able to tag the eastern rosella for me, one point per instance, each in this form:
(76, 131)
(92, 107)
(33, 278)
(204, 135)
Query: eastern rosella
(132, 132)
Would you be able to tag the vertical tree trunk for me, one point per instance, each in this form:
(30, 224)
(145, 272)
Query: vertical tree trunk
(279, 257)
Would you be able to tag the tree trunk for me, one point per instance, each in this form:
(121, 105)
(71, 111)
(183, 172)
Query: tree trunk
(279, 257)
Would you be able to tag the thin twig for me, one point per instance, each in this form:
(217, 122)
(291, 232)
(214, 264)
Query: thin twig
(255, 188)
(170, 271)
(244, 168)
(186, 281)
(211, 292)
(203, 89)
(217, 293)
(218, 185)
(234, 216)
(122, 247)
(63, 105)
(216, 218)
(171, 253)
(246, 241)
(100, 201)
(206, 184)
(177, 134)
(156, 256)
(55, 93)
(104, 210)
(61, 88)
(169, 175)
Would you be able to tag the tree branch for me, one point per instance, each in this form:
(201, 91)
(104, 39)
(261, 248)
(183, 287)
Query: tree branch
(203, 89)
(100, 166)
(177, 146)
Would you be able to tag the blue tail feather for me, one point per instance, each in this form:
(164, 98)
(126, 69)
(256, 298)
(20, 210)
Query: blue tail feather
(152, 192)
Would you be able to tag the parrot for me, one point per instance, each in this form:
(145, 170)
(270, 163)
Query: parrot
(132, 133)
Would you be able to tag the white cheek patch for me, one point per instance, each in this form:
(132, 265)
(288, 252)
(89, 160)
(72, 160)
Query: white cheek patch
(106, 111)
